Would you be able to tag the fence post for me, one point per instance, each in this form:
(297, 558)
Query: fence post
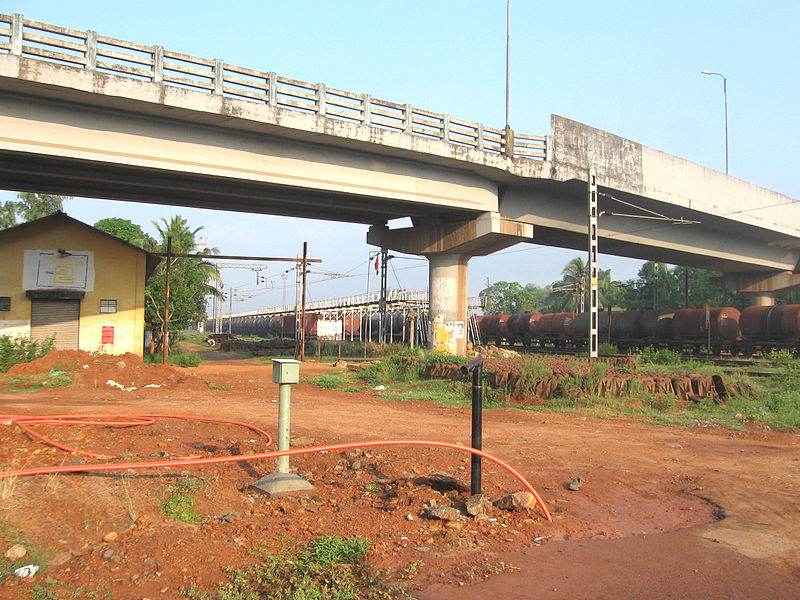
(272, 89)
(158, 64)
(16, 34)
(409, 124)
(91, 50)
(219, 68)
(480, 136)
(509, 139)
(446, 128)
(367, 104)
(322, 99)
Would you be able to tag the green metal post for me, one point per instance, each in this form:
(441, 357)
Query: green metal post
(284, 403)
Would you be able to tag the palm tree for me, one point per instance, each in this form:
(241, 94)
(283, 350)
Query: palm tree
(573, 282)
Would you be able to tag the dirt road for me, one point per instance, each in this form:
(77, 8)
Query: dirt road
(662, 512)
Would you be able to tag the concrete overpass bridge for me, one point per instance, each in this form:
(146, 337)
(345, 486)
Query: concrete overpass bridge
(89, 115)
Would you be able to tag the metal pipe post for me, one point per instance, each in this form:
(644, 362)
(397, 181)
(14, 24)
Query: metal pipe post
(476, 367)
(284, 404)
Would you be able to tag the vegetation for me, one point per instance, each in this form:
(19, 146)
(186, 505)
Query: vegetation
(29, 207)
(21, 349)
(179, 359)
(328, 568)
(180, 502)
(189, 277)
(656, 286)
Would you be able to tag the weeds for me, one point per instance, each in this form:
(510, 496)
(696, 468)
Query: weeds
(334, 381)
(328, 568)
(180, 503)
(179, 359)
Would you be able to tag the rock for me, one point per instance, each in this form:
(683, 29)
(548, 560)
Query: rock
(111, 536)
(478, 504)
(443, 513)
(302, 441)
(445, 482)
(575, 484)
(108, 554)
(143, 521)
(16, 552)
(517, 500)
(357, 465)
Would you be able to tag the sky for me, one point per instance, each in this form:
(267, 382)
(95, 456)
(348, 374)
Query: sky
(628, 67)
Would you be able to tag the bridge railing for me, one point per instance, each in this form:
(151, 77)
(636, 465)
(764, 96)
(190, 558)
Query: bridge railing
(88, 50)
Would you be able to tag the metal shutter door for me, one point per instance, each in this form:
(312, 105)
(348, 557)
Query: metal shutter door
(56, 317)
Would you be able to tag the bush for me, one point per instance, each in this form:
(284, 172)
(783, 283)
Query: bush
(660, 356)
(606, 349)
(20, 349)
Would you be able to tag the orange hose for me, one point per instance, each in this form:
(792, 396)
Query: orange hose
(70, 419)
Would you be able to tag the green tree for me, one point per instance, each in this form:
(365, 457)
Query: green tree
(28, 207)
(189, 279)
(126, 230)
(508, 297)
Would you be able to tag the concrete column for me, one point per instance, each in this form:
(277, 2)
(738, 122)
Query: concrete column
(447, 288)
(762, 299)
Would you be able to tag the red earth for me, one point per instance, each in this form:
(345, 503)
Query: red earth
(662, 512)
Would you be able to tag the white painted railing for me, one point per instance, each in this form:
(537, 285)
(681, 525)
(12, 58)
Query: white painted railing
(88, 50)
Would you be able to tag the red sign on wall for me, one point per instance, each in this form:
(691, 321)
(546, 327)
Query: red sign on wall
(108, 334)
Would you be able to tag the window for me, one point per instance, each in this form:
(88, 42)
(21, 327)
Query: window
(5, 302)
(108, 306)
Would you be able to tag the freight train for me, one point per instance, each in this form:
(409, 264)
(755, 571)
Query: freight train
(726, 329)
(397, 326)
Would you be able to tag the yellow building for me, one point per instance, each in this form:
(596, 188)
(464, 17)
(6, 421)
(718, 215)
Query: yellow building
(59, 276)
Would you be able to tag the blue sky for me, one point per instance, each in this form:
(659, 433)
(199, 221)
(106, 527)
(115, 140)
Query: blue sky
(631, 68)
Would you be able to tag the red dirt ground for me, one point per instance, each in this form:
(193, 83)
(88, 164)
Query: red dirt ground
(663, 512)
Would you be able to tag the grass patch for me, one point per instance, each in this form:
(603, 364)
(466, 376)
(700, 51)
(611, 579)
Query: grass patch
(29, 383)
(180, 502)
(178, 359)
(328, 568)
(340, 382)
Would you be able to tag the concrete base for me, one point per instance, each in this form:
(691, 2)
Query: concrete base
(276, 485)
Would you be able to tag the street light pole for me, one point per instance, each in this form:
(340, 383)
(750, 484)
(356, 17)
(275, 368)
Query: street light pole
(725, 94)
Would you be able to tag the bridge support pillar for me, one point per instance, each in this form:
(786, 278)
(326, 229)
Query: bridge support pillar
(760, 285)
(448, 248)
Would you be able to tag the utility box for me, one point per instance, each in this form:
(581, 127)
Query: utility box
(285, 370)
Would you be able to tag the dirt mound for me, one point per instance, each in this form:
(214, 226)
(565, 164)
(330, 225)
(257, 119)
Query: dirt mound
(128, 370)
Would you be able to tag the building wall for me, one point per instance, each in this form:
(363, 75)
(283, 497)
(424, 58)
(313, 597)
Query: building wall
(119, 274)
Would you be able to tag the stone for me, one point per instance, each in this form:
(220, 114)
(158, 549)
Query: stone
(478, 504)
(108, 554)
(111, 536)
(443, 513)
(517, 500)
(445, 482)
(16, 552)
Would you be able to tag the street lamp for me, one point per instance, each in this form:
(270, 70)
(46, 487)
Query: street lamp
(725, 93)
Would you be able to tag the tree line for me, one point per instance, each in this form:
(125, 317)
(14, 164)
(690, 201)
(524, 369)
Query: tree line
(656, 286)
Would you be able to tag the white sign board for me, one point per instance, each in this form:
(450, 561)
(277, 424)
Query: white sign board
(55, 269)
(329, 330)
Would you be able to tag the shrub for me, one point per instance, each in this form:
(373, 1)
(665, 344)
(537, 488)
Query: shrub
(660, 356)
(21, 348)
